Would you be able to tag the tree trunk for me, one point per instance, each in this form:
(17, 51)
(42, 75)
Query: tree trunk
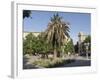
(55, 53)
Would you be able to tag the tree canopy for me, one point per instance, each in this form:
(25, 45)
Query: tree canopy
(51, 40)
(56, 32)
(26, 13)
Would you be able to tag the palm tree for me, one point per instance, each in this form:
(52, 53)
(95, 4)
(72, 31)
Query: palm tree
(56, 33)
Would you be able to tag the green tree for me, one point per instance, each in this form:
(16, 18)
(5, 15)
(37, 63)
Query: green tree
(26, 13)
(88, 40)
(69, 47)
(28, 43)
(76, 46)
(83, 44)
(43, 46)
(56, 33)
(35, 45)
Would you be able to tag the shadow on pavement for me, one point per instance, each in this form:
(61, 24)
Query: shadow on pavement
(78, 63)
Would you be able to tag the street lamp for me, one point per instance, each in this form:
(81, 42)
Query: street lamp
(86, 47)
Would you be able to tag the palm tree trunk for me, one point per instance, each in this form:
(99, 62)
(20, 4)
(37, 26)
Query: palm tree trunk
(55, 53)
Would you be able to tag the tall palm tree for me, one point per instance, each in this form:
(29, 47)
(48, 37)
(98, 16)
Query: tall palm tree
(56, 33)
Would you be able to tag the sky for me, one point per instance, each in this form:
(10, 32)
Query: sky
(79, 22)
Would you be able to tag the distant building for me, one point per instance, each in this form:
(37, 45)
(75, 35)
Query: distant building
(81, 37)
(34, 33)
(37, 33)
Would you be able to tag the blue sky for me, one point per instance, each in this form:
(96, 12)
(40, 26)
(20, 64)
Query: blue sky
(79, 22)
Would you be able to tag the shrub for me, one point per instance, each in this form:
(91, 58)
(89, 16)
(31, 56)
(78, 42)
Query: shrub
(47, 63)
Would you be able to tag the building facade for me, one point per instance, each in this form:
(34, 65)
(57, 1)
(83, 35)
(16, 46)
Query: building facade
(81, 37)
(37, 33)
(34, 33)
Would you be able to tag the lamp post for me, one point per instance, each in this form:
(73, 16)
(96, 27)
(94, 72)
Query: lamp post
(86, 47)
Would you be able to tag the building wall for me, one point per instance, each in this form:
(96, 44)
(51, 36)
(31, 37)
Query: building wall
(81, 37)
(37, 33)
(34, 33)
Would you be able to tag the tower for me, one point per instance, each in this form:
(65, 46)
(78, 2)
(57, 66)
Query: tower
(81, 37)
